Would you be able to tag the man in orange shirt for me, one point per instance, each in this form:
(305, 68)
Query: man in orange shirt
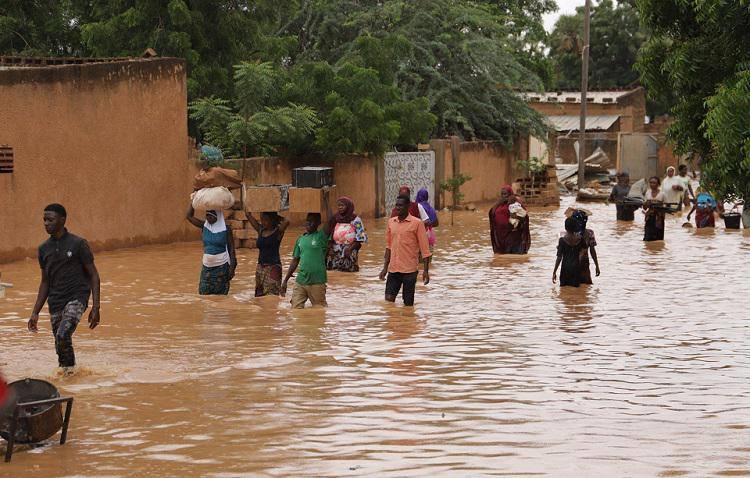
(406, 238)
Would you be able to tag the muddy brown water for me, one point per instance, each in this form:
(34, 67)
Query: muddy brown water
(495, 372)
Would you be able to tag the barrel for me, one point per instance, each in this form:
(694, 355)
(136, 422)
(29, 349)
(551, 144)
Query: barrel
(35, 424)
(732, 220)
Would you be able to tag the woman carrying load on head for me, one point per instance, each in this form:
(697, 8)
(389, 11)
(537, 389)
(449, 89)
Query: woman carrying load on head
(348, 235)
(653, 207)
(219, 259)
(270, 229)
(509, 224)
(423, 201)
(580, 218)
(570, 249)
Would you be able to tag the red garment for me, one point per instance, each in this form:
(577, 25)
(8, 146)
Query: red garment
(413, 207)
(505, 239)
(704, 217)
(413, 210)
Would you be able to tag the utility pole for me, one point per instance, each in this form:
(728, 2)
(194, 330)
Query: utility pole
(584, 94)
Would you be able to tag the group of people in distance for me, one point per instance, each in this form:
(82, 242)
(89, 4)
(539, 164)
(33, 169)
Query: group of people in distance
(410, 238)
(657, 197)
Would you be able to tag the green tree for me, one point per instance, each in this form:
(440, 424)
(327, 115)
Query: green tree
(615, 37)
(463, 56)
(38, 28)
(246, 126)
(312, 107)
(699, 54)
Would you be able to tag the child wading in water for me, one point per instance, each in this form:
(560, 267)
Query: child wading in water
(571, 248)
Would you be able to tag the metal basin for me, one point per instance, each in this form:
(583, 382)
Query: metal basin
(35, 424)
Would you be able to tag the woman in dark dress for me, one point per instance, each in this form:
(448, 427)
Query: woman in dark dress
(589, 244)
(569, 249)
(654, 226)
(270, 231)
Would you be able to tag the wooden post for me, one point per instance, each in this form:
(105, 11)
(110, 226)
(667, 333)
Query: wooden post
(584, 94)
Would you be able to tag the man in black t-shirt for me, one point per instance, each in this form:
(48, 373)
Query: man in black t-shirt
(69, 276)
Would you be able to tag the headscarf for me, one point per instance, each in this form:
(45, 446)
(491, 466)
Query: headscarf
(219, 226)
(507, 188)
(423, 200)
(581, 218)
(348, 215)
(706, 201)
(670, 195)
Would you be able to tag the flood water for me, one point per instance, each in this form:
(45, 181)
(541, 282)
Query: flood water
(495, 372)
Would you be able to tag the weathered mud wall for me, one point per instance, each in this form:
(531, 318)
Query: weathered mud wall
(355, 177)
(107, 140)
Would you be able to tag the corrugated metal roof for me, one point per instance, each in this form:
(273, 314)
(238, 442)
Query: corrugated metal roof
(572, 123)
(600, 97)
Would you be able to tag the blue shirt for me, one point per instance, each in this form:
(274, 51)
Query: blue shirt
(214, 242)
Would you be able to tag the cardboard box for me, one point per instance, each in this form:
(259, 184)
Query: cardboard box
(272, 197)
(304, 200)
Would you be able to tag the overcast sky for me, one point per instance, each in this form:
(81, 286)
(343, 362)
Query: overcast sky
(564, 7)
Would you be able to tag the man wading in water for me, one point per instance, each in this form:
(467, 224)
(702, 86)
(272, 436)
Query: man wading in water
(68, 278)
(405, 237)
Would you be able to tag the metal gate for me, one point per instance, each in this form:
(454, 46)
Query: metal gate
(639, 155)
(416, 170)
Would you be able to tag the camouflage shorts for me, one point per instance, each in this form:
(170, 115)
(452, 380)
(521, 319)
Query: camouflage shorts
(64, 323)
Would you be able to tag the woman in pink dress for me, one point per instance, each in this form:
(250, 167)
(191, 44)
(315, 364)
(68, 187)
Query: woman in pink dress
(348, 235)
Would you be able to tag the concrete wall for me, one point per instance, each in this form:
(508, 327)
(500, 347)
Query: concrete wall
(107, 140)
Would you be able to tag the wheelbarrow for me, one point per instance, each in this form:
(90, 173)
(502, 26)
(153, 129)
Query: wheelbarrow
(33, 413)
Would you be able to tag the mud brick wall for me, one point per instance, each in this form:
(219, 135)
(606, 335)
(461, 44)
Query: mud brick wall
(108, 140)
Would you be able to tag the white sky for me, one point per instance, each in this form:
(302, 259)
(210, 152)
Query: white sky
(565, 7)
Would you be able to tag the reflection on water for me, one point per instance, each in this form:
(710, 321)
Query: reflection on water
(496, 371)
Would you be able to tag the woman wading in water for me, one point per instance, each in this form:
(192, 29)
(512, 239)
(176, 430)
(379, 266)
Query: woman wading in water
(268, 272)
(423, 201)
(654, 227)
(509, 230)
(571, 248)
(219, 259)
(588, 245)
(347, 239)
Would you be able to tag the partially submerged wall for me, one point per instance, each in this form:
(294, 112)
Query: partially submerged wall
(355, 177)
(107, 140)
(489, 164)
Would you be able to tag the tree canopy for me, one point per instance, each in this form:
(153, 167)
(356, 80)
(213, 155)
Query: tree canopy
(615, 38)
(389, 72)
(699, 55)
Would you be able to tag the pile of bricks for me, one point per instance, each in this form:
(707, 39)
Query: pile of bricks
(236, 218)
(541, 189)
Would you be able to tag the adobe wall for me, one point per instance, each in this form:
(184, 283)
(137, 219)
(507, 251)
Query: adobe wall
(108, 141)
(488, 163)
(354, 176)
